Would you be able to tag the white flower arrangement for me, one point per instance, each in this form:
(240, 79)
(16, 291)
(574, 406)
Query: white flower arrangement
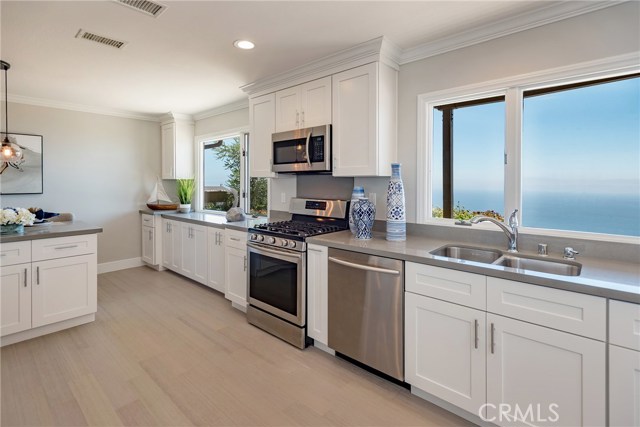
(18, 216)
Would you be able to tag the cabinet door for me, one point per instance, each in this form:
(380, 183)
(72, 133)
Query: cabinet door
(288, 109)
(64, 288)
(199, 238)
(168, 152)
(355, 143)
(236, 272)
(559, 375)
(446, 350)
(187, 250)
(315, 103)
(148, 245)
(263, 122)
(317, 293)
(15, 298)
(624, 387)
(167, 244)
(216, 276)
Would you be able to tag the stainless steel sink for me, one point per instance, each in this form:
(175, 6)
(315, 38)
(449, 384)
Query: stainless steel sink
(468, 253)
(551, 266)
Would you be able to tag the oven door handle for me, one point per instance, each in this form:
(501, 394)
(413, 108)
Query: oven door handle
(364, 267)
(279, 254)
(307, 148)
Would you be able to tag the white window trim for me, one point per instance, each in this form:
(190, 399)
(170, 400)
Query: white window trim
(199, 148)
(512, 88)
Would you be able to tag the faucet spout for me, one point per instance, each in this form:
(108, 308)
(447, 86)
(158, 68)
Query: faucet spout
(510, 230)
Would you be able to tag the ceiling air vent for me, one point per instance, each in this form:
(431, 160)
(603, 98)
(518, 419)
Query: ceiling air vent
(145, 6)
(82, 34)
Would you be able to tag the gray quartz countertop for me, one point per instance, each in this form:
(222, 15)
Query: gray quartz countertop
(605, 278)
(50, 230)
(213, 220)
(148, 211)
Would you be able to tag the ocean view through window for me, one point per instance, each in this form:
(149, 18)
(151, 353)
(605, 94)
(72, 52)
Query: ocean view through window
(574, 163)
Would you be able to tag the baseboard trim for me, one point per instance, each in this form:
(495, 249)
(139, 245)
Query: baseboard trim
(121, 264)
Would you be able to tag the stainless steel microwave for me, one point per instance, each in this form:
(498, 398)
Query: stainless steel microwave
(302, 150)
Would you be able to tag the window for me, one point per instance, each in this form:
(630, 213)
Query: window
(467, 161)
(570, 160)
(225, 176)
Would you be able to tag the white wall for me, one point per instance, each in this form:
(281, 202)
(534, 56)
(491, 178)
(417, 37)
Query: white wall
(101, 168)
(608, 32)
(223, 122)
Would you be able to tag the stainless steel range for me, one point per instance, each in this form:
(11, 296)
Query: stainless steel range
(277, 252)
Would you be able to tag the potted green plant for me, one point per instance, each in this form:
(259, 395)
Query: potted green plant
(186, 188)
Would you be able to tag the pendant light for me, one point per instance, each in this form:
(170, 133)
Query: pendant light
(11, 152)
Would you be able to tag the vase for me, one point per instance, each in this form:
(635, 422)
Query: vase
(358, 192)
(12, 228)
(364, 213)
(396, 212)
(184, 208)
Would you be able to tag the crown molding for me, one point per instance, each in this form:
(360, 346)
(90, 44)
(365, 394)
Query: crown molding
(41, 102)
(379, 49)
(228, 108)
(524, 21)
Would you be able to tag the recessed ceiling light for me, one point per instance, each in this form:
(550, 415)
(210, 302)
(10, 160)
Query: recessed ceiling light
(243, 44)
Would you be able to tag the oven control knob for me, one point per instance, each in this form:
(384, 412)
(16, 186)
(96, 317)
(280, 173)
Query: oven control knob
(253, 236)
(260, 238)
(272, 240)
(284, 242)
(292, 244)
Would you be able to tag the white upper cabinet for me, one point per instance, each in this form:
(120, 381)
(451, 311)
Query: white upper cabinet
(303, 106)
(177, 148)
(364, 120)
(262, 117)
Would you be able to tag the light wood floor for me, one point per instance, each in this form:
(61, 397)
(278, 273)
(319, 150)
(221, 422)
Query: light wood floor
(165, 351)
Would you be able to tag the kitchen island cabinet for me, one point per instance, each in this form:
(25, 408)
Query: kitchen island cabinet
(48, 283)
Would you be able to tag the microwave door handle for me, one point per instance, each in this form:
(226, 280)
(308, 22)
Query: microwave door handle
(307, 148)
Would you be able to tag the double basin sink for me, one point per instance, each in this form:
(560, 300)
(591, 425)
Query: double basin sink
(507, 259)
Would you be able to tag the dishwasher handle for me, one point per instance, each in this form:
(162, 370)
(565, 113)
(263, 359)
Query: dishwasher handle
(364, 267)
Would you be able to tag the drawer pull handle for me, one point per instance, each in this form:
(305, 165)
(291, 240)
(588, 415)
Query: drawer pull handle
(314, 250)
(3, 255)
(25, 277)
(66, 247)
(235, 239)
(37, 275)
(493, 341)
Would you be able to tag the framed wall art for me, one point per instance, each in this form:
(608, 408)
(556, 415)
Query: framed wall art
(24, 175)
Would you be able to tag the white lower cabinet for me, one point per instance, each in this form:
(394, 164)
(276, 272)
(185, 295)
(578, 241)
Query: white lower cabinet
(63, 288)
(15, 298)
(148, 245)
(171, 245)
(236, 267)
(624, 387)
(56, 288)
(543, 376)
(445, 350)
(193, 260)
(215, 256)
(317, 293)
(502, 369)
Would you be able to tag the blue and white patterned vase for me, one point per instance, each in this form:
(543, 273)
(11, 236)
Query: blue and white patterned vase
(396, 215)
(358, 192)
(364, 213)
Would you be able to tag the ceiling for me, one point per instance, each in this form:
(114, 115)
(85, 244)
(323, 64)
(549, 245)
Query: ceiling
(184, 61)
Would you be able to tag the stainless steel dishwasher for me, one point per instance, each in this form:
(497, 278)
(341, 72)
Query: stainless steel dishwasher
(366, 310)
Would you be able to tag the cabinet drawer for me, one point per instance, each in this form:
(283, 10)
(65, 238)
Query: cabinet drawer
(563, 310)
(450, 285)
(624, 324)
(61, 247)
(235, 239)
(147, 220)
(15, 253)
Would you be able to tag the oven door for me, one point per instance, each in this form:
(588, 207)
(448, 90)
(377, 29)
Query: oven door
(277, 282)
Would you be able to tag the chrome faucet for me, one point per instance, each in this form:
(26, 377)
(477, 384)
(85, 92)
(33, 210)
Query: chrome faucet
(511, 230)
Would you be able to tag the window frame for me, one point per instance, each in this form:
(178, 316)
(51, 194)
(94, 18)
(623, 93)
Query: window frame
(512, 89)
(200, 140)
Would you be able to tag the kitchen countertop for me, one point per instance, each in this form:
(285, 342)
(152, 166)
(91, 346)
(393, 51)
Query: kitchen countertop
(600, 277)
(51, 230)
(213, 220)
